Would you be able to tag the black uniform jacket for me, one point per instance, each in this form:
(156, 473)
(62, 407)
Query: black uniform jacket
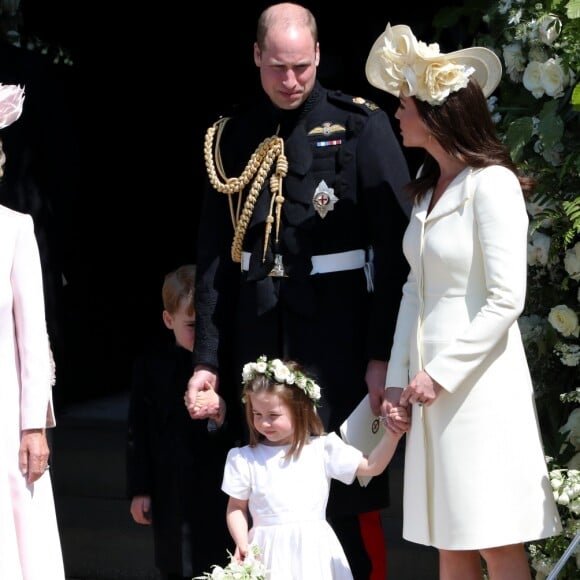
(331, 323)
(176, 461)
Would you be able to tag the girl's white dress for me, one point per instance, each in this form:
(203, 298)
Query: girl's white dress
(287, 502)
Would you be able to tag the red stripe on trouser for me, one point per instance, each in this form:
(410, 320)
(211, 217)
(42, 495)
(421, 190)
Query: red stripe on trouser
(374, 541)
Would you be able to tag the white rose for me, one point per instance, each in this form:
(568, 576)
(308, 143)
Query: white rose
(532, 79)
(281, 372)
(549, 28)
(427, 50)
(553, 78)
(248, 372)
(315, 391)
(572, 262)
(564, 320)
(538, 249)
(441, 79)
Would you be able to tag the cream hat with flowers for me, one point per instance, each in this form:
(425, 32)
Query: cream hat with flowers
(399, 63)
(11, 101)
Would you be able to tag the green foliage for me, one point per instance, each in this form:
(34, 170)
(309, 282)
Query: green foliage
(537, 113)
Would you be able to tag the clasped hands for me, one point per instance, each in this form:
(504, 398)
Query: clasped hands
(201, 399)
(422, 390)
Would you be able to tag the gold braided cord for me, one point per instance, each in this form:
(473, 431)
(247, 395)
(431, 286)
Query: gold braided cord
(257, 168)
(219, 127)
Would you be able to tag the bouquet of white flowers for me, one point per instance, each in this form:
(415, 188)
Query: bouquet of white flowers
(250, 569)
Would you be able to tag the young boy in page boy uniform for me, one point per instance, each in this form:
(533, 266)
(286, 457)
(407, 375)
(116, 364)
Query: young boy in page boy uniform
(173, 461)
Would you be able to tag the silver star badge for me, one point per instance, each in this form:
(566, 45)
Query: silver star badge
(324, 199)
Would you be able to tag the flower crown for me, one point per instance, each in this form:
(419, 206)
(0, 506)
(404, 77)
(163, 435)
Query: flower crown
(11, 101)
(277, 371)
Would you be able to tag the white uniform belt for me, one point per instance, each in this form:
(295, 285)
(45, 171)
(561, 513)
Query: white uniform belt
(339, 262)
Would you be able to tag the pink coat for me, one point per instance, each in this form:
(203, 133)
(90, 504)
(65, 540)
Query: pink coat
(29, 538)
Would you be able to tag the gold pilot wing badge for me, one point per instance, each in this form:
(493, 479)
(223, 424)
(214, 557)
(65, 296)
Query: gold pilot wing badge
(327, 128)
(324, 199)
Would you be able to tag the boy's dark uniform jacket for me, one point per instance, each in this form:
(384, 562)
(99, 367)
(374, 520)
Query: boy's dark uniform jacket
(178, 462)
(330, 322)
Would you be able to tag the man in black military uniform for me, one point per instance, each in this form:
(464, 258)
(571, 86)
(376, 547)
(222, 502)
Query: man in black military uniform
(305, 188)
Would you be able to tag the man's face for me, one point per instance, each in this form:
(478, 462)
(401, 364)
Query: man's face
(287, 64)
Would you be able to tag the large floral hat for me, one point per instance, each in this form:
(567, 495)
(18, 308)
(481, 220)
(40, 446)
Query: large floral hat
(11, 101)
(399, 63)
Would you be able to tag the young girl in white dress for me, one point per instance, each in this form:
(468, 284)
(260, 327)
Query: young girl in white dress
(281, 480)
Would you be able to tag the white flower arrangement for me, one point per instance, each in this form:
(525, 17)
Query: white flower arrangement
(251, 568)
(276, 370)
(416, 68)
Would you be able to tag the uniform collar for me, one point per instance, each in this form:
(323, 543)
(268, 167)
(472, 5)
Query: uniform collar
(287, 120)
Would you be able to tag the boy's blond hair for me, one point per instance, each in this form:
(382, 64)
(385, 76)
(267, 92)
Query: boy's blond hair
(179, 287)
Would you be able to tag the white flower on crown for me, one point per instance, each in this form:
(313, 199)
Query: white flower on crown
(279, 372)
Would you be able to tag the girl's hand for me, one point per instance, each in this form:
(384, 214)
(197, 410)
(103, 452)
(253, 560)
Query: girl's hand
(392, 412)
(240, 553)
(202, 380)
(399, 418)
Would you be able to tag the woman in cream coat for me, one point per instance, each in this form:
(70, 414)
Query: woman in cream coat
(29, 538)
(476, 482)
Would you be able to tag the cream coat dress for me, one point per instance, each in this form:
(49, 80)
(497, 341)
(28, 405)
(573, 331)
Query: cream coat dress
(29, 539)
(475, 473)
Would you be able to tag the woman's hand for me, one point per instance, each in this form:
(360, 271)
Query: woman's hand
(422, 390)
(33, 454)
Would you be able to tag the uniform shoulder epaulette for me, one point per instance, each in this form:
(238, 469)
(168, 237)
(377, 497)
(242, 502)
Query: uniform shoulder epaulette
(357, 103)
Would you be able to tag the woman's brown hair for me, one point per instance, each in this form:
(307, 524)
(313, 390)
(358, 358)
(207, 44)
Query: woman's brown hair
(463, 126)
